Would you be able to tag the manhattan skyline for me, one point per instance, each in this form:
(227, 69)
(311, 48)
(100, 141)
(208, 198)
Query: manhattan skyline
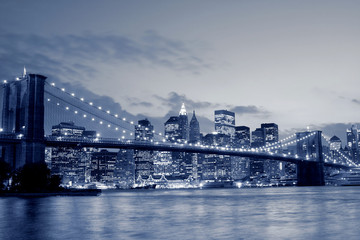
(289, 63)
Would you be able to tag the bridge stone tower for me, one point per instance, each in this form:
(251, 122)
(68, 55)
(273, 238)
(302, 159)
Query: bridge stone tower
(23, 115)
(310, 173)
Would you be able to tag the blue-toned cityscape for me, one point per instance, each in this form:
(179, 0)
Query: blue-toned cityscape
(178, 120)
(181, 157)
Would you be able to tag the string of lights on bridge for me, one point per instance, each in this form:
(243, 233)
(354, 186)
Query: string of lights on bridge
(281, 143)
(91, 116)
(350, 162)
(100, 120)
(285, 142)
(273, 146)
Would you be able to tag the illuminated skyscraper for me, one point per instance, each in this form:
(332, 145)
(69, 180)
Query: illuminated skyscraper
(225, 122)
(242, 137)
(183, 123)
(144, 131)
(240, 166)
(335, 143)
(271, 135)
(172, 129)
(144, 163)
(352, 136)
(73, 165)
(257, 140)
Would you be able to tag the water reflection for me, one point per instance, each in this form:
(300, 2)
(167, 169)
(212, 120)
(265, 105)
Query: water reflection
(272, 213)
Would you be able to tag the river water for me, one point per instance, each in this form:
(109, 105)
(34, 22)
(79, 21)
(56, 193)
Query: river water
(261, 213)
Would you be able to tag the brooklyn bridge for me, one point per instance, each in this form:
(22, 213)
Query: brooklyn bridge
(23, 138)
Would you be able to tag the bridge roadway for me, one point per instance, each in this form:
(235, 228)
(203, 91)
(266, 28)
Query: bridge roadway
(53, 141)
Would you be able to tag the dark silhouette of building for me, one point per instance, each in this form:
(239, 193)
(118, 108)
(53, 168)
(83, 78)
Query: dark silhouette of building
(103, 167)
(194, 160)
(194, 133)
(125, 168)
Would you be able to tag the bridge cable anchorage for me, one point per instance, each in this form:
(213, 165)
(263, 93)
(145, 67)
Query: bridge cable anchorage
(98, 108)
(351, 163)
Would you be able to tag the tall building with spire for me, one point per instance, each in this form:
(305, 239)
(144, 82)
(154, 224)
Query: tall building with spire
(177, 130)
(194, 131)
(183, 123)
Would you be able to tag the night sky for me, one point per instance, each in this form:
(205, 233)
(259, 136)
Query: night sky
(295, 63)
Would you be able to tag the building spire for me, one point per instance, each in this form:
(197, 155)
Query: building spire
(24, 74)
(194, 116)
(182, 110)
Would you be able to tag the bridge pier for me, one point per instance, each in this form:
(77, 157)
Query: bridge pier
(310, 173)
(23, 115)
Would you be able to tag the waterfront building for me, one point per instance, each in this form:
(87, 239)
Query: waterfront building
(68, 129)
(103, 167)
(240, 166)
(177, 131)
(257, 141)
(144, 162)
(216, 167)
(272, 168)
(72, 165)
(225, 122)
(124, 173)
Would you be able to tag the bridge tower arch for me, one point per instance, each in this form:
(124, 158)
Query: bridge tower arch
(23, 115)
(310, 173)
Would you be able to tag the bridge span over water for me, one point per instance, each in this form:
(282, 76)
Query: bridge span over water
(24, 140)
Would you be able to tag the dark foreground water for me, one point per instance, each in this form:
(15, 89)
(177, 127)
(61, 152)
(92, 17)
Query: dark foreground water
(267, 213)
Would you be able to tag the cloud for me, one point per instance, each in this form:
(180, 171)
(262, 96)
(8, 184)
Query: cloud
(174, 100)
(329, 129)
(74, 56)
(142, 104)
(251, 109)
(355, 101)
